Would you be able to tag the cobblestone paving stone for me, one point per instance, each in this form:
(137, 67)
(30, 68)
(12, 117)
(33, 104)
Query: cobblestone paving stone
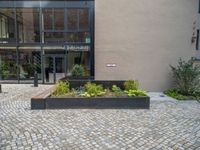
(169, 124)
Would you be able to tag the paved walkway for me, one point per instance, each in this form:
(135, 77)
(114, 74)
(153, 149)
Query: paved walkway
(169, 124)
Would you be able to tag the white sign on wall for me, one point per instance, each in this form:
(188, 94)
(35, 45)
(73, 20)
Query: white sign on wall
(111, 65)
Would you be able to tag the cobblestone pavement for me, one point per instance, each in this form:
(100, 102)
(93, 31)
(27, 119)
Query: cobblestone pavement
(169, 124)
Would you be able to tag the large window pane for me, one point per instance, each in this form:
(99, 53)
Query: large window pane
(48, 19)
(28, 25)
(7, 26)
(80, 58)
(29, 62)
(79, 37)
(72, 19)
(59, 19)
(54, 37)
(84, 19)
(8, 64)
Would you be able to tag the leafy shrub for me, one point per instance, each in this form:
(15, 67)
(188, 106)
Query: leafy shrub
(115, 88)
(61, 88)
(4, 70)
(187, 77)
(175, 94)
(117, 91)
(131, 85)
(133, 93)
(78, 70)
(74, 92)
(93, 90)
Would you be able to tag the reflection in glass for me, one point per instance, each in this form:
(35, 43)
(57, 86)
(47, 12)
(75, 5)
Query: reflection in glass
(60, 37)
(28, 25)
(48, 19)
(72, 19)
(84, 19)
(80, 58)
(7, 26)
(29, 62)
(59, 19)
(49, 70)
(52, 37)
(81, 37)
(8, 64)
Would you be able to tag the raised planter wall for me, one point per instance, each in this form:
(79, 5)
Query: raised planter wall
(44, 101)
(98, 103)
(74, 83)
(91, 103)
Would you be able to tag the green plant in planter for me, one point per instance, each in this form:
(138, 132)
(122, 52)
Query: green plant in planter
(78, 70)
(134, 93)
(117, 91)
(131, 85)
(61, 88)
(93, 90)
(73, 92)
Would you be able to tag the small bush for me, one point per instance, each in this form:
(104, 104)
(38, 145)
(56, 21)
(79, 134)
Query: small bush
(186, 77)
(73, 92)
(61, 88)
(93, 90)
(175, 94)
(134, 93)
(115, 88)
(117, 91)
(131, 85)
(78, 70)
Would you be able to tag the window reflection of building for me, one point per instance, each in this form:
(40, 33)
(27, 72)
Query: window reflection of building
(7, 25)
(54, 28)
(28, 25)
(80, 58)
(8, 65)
(29, 62)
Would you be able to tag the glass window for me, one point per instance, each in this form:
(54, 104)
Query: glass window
(72, 19)
(48, 19)
(28, 25)
(54, 37)
(78, 37)
(7, 26)
(29, 62)
(59, 19)
(80, 58)
(84, 19)
(8, 64)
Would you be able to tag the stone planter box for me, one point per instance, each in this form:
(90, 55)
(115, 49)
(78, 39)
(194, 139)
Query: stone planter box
(91, 103)
(98, 103)
(44, 101)
(74, 83)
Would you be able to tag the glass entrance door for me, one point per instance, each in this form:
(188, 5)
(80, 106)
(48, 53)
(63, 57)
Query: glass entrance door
(54, 68)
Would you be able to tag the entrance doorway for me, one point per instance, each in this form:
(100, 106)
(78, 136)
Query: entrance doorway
(54, 68)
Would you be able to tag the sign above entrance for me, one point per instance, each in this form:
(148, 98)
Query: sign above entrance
(78, 48)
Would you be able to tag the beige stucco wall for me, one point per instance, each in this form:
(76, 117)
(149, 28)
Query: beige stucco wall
(143, 38)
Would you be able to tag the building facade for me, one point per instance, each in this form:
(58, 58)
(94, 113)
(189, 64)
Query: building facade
(49, 37)
(112, 40)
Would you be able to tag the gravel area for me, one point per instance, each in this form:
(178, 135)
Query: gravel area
(169, 124)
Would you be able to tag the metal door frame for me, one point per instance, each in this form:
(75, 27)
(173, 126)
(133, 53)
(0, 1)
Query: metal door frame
(54, 56)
